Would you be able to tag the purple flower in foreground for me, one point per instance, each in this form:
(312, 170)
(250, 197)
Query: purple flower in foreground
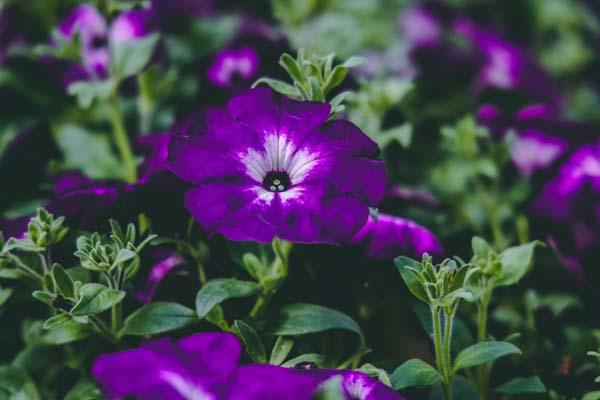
(231, 66)
(357, 385)
(96, 36)
(197, 367)
(389, 237)
(273, 166)
(203, 366)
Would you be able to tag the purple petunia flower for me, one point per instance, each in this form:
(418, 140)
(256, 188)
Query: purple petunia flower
(388, 237)
(357, 385)
(97, 36)
(230, 66)
(203, 366)
(271, 166)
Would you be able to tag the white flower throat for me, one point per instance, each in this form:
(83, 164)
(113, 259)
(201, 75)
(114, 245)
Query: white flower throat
(280, 168)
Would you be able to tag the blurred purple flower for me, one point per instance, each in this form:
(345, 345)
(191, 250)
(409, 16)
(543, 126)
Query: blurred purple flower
(166, 261)
(270, 166)
(231, 66)
(388, 237)
(14, 227)
(203, 366)
(541, 136)
(571, 201)
(88, 203)
(432, 32)
(96, 36)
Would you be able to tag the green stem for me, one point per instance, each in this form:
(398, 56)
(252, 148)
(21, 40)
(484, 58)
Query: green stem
(448, 325)
(30, 271)
(122, 140)
(483, 371)
(280, 271)
(145, 102)
(97, 322)
(439, 351)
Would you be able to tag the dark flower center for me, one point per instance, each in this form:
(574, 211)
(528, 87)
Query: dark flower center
(99, 41)
(277, 181)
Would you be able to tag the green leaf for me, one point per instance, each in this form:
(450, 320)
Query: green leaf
(482, 353)
(401, 134)
(480, 247)
(15, 384)
(5, 295)
(279, 86)
(124, 256)
(95, 298)
(88, 91)
(252, 343)
(409, 277)
(315, 89)
(533, 384)
(281, 349)
(515, 263)
(595, 395)
(88, 152)
(335, 78)
(44, 297)
(130, 57)
(158, 317)
(63, 281)
(290, 65)
(316, 359)
(414, 372)
(354, 61)
(301, 319)
(218, 290)
(84, 390)
(56, 320)
(68, 332)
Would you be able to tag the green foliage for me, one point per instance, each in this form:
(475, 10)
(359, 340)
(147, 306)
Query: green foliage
(252, 342)
(414, 372)
(482, 353)
(532, 384)
(158, 317)
(312, 78)
(301, 319)
(218, 290)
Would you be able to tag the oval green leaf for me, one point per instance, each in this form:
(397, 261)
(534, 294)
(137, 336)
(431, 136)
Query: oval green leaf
(301, 319)
(158, 317)
(218, 290)
(95, 298)
(414, 372)
(482, 353)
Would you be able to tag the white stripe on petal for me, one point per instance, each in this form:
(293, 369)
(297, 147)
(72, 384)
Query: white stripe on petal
(280, 155)
(188, 390)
